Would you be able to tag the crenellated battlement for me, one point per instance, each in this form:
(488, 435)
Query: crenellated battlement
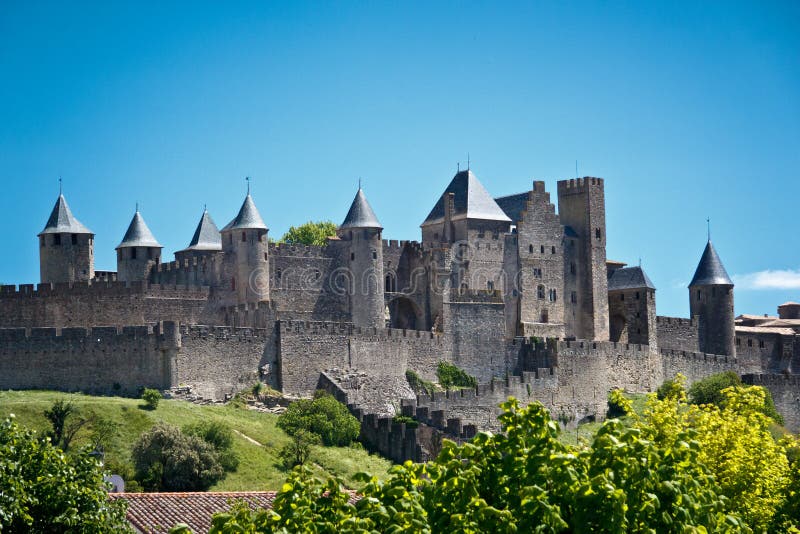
(394, 244)
(103, 288)
(96, 334)
(578, 185)
(223, 332)
(476, 296)
(677, 321)
(698, 356)
(326, 328)
(771, 380)
(298, 250)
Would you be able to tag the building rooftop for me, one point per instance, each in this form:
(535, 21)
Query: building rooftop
(764, 330)
(710, 270)
(470, 201)
(629, 278)
(157, 513)
(360, 214)
(206, 235)
(247, 218)
(62, 221)
(138, 234)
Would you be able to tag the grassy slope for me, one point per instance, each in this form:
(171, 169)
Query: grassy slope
(259, 468)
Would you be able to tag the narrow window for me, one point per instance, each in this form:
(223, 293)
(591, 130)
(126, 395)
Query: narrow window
(133, 253)
(552, 250)
(540, 292)
(316, 274)
(244, 237)
(749, 342)
(761, 343)
(622, 296)
(638, 330)
(572, 268)
(545, 318)
(74, 239)
(352, 256)
(530, 249)
(738, 342)
(374, 255)
(541, 249)
(266, 256)
(56, 239)
(698, 294)
(637, 295)
(490, 285)
(573, 297)
(597, 233)
(278, 275)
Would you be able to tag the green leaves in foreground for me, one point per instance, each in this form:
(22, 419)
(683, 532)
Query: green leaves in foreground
(649, 474)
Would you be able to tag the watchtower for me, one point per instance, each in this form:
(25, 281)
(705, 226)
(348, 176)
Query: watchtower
(711, 301)
(362, 231)
(246, 260)
(138, 252)
(66, 247)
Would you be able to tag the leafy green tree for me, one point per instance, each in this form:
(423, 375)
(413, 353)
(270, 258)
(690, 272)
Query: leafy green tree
(167, 459)
(710, 391)
(151, 398)
(218, 436)
(43, 490)
(324, 416)
(57, 414)
(298, 450)
(618, 404)
(310, 233)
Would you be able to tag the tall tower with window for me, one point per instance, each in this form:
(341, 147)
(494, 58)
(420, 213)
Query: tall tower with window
(711, 301)
(138, 253)
(66, 247)
(246, 260)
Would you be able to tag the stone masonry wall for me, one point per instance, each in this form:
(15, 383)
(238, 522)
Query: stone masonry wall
(104, 360)
(103, 303)
(785, 390)
(678, 334)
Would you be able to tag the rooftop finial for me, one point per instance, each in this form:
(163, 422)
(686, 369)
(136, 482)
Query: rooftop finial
(708, 227)
(458, 167)
(137, 206)
(247, 179)
(359, 183)
(59, 186)
(205, 207)
(467, 160)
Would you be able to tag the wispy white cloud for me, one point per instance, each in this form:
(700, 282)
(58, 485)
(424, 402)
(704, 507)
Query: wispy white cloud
(769, 279)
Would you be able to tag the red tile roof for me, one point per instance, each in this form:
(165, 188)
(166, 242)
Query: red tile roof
(156, 513)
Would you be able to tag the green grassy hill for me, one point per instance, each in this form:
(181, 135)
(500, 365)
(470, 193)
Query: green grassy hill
(257, 439)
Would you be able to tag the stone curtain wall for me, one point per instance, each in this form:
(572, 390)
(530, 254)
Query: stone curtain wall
(785, 390)
(216, 361)
(102, 303)
(305, 349)
(678, 334)
(103, 360)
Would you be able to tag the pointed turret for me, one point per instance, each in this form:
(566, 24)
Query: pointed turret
(470, 200)
(710, 270)
(361, 231)
(138, 252)
(711, 301)
(206, 235)
(66, 251)
(360, 214)
(246, 259)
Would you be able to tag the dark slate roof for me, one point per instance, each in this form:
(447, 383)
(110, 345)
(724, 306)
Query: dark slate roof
(206, 235)
(513, 205)
(710, 270)
(470, 199)
(138, 234)
(629, 278)
(247, 218)
(63, 221)
(360, 214)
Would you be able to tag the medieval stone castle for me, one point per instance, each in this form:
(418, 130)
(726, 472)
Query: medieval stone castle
(513, 292)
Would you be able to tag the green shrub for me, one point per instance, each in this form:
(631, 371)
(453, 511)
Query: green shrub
(709, 391)
(451, 377)
(418, 384)
(324, 416)
(410, 422)
(218, 436)
(618, 404)
(297, 451)
(151, 398)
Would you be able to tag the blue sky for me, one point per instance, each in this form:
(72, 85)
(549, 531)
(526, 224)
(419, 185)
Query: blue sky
(688, 110)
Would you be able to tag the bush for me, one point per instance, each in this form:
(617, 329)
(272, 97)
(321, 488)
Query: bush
(297, 451)
(418, 384)
(410, 422)
(44, 490)
(324, 416)
(166, 459)
(709, 391)
(618, 404)
(451, 377)
(218, 436)
(151, 397)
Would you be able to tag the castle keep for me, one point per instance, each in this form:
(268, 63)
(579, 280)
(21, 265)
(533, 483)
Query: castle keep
(514, 292)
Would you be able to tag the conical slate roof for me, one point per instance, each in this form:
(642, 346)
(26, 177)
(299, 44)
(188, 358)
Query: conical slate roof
(138, 234)
(710, 270)
(248, 217)
(629, 278)
(206, 236)
(360, 214)
(62, 221)
(471, 200)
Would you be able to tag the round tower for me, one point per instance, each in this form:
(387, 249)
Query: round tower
(711, 301)
(246, 250)
(66, 247)
(138, 253)
(362, 231)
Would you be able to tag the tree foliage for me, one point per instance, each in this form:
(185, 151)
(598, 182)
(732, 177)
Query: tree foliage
(166, 459)
(710, 391)
(324, 416)
(43, 490)
(218, 436)
(151, 398)
(451, 376)
(310, 233)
